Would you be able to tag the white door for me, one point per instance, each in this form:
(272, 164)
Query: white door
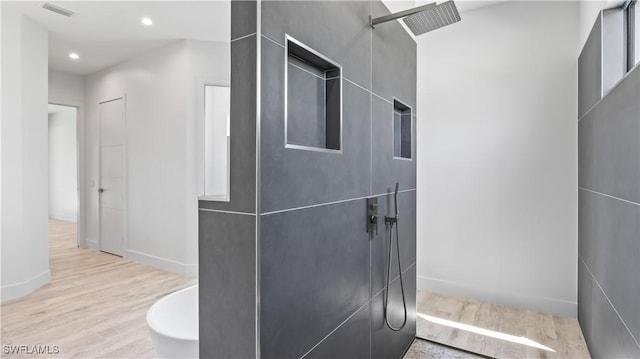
(111, 189)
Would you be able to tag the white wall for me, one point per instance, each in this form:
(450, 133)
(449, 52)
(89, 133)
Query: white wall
(497, 142)
(65, 88)
(63, 173)
(25, 251)
(161, 169)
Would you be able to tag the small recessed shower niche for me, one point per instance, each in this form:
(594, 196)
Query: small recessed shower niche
(313, 99)
(401, 130)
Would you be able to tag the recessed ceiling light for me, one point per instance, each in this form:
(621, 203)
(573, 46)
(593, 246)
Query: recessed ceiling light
(146, 21)
(74, 55)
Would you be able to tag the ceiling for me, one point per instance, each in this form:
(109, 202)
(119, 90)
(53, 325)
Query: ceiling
(105, 33)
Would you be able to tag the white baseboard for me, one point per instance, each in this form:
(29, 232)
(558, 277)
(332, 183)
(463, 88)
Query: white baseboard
(168, 265)
(17, 290)
(91, 244)
(535, 303)
(67, 217)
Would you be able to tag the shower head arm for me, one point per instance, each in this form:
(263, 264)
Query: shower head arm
(399, 15)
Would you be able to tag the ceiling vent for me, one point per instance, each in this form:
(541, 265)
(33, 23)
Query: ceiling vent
(58, 9)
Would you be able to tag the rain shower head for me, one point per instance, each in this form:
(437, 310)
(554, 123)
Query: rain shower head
(434, 18)
(425, 18)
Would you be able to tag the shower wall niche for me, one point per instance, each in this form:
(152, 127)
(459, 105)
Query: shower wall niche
(401, 130)
(287, 267)
(313, 110)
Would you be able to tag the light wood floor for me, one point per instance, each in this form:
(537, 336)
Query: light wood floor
(496, 330)
(94, 307)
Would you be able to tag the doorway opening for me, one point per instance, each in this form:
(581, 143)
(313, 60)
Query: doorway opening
(64, 206)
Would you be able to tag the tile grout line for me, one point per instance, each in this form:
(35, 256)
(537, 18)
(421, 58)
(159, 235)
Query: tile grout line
(333, 202)
(305, 70)
(382, 98)
(609, 301)
(398, 276)
(258, 204)
(244, 37)
(352, 315)
(604, 95)
(370, 180)
(369, 91)
(336, 328)
(272, 40)
(606, 195)
(228, 212)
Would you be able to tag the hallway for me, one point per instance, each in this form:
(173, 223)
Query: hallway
(94, 306)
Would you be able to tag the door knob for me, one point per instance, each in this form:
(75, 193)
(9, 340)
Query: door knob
(100, 190)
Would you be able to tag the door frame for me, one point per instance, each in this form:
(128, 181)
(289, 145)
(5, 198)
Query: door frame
(125, 192)
(81, 238)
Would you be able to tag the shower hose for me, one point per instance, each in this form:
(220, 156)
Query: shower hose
(386, 299)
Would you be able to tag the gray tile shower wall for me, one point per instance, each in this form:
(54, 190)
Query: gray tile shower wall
(314, 269)
(351, 340)
(306, 125)
(609, 208)
(407, 235)
(227, 246)
(337, 29)
(393, 63)
(322, 276)
(590, 69)
(610, 144)
(618, 256)
(227, 286)
(386, 343)
(387, 170)
(243, 18)
(293, 178)
(287, 269)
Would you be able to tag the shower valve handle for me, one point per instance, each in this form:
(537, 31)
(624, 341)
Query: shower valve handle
(372, 215)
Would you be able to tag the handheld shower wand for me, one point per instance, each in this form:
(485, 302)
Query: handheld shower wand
(395, 201)
(393, 221)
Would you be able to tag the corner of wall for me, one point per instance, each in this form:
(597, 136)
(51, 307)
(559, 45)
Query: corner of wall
(509, 298)
(25, 260)
(185, 269)
(23, 288)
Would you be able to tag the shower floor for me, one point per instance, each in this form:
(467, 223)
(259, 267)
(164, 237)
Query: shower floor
(496, 330)
(422, 349)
